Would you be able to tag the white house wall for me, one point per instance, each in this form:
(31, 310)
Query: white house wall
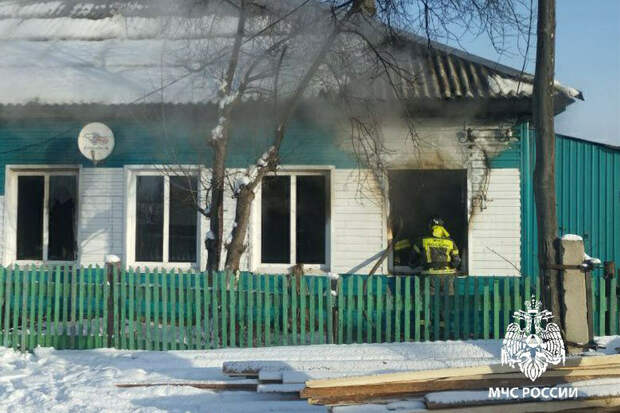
(495, 229)
(358, 222)
(101, 214)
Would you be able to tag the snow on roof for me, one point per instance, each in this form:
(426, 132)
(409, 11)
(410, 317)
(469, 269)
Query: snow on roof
(111, 52)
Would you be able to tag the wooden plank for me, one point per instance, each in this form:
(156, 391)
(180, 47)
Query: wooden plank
(180, 312)
(427, 309)
(398, 309)
(157, 322)
(285, 311)
(33, 309)
(312, 309)
(330, 313)
(485, 309)
(600, 404)
(242, 385)
(198, 341)
(407, 305)
(250, 312)
(417, 307)
(294, 310)
(602, 308)
(496, 308)
(116, 306)
(57, 295)
(613, 304)
(341, 307)
(446, 281)
(123, 310)
(32, 316)
(476, 308)
(466, 314)
(208, 330)
(81, 304)
(349, 313)
(7, 339)
(369, 309)
(188, 311)
(303, 291)
(101, 308)
(24, 318)
(241, 314)
(268, 311)
(379, 318)
(360, 309)
(321, 315)
(260, 311)
(42, 279)
(506, 304)
(232, 307)
(572, 366)
(457, 308)
(76, 333)
(16, 306)
(389, 312)
(275, 308)
(215, 303)
(49, 305)
(89, 306)
(436, 306)
(132, 306)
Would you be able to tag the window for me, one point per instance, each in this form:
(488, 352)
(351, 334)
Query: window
(166, 220)
(46, 216)
(416, 196)
(294, 219)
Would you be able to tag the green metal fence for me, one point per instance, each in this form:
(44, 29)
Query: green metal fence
(83, 308)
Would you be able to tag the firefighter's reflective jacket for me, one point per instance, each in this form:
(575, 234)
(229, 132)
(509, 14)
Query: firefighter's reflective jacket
(436, 254)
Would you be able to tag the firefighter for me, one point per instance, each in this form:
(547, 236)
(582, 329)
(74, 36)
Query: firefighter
(436, 253)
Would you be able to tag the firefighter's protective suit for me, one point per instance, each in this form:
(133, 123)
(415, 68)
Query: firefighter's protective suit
(436, 254)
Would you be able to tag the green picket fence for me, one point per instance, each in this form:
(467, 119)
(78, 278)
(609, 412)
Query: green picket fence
(84, 308)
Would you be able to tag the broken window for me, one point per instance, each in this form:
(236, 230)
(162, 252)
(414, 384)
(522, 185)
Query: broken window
(417, 196)
(294, 219)
(166, 219)
(46, 232)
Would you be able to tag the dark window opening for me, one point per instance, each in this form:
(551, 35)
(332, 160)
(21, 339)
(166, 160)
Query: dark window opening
(311, 219)
(30, 193)
(416, 196)
(275, 220)
(182, 225)
(149, 218)
(62, 203)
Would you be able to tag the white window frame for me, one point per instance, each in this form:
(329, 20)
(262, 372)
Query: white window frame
(294, 172)
(131, 175)
(13, 172)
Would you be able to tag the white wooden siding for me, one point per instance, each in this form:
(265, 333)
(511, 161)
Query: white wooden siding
(1, 226)
(358, 222)
(101, 214)
(495, 231)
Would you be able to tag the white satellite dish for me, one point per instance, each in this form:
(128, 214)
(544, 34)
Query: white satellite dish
(96, 141)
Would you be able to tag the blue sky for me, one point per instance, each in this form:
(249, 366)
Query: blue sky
(587, 58)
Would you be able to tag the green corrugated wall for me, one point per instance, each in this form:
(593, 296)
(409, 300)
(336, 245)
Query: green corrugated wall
(588, 197)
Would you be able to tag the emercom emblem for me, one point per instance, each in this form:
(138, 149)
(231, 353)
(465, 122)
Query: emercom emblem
(533, 347)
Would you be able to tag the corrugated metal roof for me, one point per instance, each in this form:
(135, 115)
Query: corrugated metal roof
(101, 51)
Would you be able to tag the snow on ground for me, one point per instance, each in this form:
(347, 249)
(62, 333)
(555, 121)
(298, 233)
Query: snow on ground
(84, 381)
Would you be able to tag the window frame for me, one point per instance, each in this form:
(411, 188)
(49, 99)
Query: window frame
(13, 172)
(294, 171)
(405, 269)
(131, 180)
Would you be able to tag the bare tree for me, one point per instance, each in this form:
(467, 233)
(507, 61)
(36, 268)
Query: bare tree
(280, 50)
(544, 172)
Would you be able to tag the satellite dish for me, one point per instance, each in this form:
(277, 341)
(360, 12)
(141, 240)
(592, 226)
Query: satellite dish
(96, 141)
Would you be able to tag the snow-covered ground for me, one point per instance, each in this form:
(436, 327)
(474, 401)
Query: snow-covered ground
(85, 381)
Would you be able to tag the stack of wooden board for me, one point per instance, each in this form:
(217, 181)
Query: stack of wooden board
(376, 388)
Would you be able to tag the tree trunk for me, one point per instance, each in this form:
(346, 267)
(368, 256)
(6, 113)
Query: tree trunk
(242, 222)
(216, 208)
(544, 172)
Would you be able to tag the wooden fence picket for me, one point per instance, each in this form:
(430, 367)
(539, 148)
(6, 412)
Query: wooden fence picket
(67, 307)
